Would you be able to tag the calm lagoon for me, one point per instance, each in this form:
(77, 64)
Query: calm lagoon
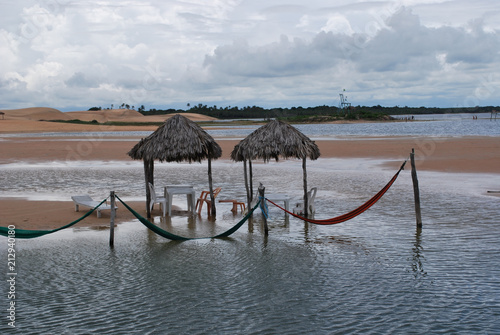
(375, 274)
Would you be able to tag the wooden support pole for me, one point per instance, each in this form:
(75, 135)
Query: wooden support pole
(250, 177)
(263, 207)
(149, 178)
(416, 191)
(249, 200)
(304, 177)
(211, 188)
(148, 195)
(112, 220)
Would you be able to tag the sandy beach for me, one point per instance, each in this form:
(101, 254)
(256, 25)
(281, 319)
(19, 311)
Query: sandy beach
(466, 154)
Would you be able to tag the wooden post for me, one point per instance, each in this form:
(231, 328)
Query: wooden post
(149, 178)
(250, 177)
(249, 200)
(262, 191)
(211, 188)
(306, 201)
(112, 220)
(416, 191)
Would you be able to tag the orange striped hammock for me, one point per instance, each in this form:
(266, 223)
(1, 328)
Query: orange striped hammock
(351, 214)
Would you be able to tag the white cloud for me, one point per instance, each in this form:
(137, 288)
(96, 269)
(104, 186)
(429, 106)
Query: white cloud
(338, 24)
(75, 54)
(125, 52)
(40, 76)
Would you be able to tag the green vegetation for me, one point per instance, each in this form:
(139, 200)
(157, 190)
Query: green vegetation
(308, 114)
(318, 114)
(294, 114)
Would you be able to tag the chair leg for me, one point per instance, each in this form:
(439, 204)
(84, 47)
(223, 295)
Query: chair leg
(209, 208)
(235, 207)
(200, 203)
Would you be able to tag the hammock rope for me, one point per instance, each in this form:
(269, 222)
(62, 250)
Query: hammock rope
(263, 207)
(174, 237)
(352, 214)
(24, 233)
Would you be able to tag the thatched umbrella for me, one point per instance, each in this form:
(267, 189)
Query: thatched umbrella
(178, 139)
(272, 141)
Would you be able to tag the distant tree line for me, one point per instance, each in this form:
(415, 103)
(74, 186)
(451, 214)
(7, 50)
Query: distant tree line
(122, 106)
(396, 110)
(250, 112)
(255, 112)
(297, 113)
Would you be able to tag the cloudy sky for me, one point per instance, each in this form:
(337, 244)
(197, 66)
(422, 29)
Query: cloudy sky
(73, 55)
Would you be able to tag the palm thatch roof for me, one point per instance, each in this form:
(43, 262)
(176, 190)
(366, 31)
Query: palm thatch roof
(178, 139)
(273, 140)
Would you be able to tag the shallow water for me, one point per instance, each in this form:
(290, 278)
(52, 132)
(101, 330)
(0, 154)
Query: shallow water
(424, 125)
(375, 274)
(371, 275)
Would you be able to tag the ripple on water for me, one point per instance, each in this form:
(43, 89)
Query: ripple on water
(374, 274)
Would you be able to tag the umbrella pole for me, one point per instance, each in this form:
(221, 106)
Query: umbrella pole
(249, 200)
(251, 179)
(212, 200)
(306, 202)
(149, 177)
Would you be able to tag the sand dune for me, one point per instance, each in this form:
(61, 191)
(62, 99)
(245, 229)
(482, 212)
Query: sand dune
(129, 115)
(35, 113)
(197, 117)
(101, 116)
(106, 115)
(29, 120)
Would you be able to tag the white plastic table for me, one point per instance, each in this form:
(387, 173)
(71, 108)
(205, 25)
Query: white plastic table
(276, 197)
(170, 190)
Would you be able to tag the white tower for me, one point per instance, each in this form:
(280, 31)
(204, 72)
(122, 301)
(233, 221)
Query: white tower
(344, 105)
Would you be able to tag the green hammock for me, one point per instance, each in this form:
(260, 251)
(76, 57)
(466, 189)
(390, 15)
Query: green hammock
(174, 237)
(24, 233)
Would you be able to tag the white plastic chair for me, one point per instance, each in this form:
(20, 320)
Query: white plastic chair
(157, 200)
(311, 209)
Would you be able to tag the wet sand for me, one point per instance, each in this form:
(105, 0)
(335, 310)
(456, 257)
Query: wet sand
(468, 155)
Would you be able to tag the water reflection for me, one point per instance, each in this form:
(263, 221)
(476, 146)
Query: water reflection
(302, 278)
(418, 258)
